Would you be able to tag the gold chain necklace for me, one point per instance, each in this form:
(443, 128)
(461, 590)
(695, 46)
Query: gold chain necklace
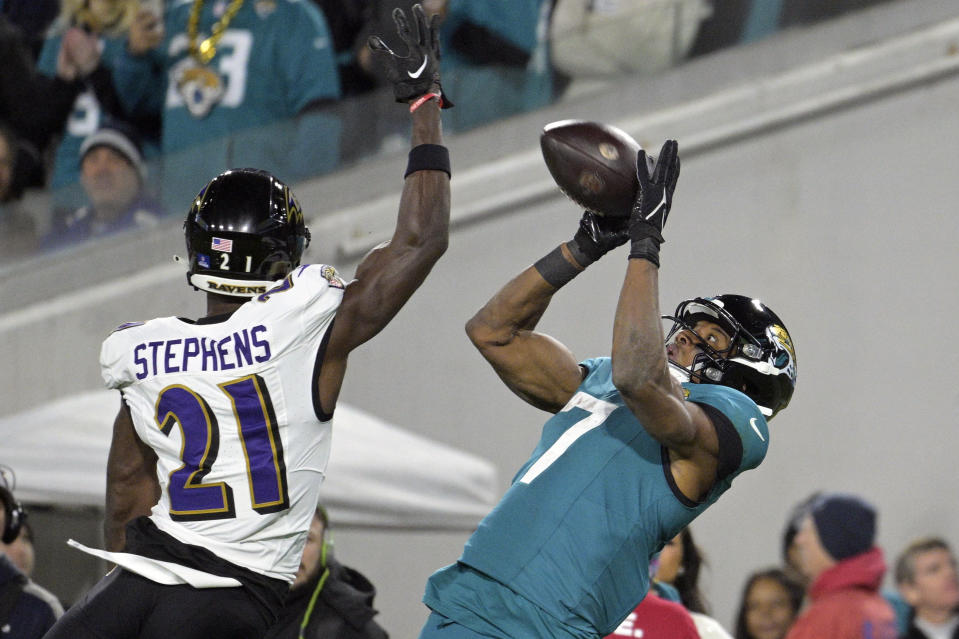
(207, 49)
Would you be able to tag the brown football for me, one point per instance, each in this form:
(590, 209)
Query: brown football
(594, 164)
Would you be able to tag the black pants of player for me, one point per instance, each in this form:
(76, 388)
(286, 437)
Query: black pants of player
(124, 605)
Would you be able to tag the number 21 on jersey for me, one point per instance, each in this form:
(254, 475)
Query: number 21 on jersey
(190, 497)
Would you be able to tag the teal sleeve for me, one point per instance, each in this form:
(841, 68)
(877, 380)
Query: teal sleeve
(47, 62)
(140, 82)
(308, 64)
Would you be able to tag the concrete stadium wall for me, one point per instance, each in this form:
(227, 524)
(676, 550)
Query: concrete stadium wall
(818, 174)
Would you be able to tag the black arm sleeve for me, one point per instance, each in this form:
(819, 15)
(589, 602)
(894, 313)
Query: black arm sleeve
(730, 445)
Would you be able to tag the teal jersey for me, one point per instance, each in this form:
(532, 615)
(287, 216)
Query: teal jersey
(274, 58)
(87, 114)
(569, 544)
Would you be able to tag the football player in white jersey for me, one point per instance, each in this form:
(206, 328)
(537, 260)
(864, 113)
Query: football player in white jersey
(223, 433)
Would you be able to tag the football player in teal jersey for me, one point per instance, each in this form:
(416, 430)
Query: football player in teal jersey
(639, 443)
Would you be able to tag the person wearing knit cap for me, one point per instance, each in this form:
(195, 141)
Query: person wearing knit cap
(790, 552)
(846, 525)
(113, 175)
(836, 552)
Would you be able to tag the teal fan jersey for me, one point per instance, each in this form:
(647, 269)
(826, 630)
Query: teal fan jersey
(274, 58)
(87, 114)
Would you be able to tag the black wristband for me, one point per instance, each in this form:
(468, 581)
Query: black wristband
(428, 157)
(555, 268)
(584, 249)
(646, 248)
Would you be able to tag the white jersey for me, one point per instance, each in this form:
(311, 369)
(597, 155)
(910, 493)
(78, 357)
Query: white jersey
(228, 407)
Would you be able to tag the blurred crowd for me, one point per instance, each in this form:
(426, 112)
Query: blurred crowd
(110, 109)
(176, 91)
(829, 582)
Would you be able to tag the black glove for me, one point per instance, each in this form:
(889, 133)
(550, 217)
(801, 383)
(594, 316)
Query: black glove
(597, 236)
(657, 181)
(417, 73)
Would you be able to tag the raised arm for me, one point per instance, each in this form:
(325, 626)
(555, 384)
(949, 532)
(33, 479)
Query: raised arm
(132, 486)
(542, 371)
(390, 273)
(535, 366)
(640, 365)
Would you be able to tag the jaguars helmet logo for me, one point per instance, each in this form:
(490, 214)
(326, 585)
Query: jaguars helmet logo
(784, 354)
(781, 338)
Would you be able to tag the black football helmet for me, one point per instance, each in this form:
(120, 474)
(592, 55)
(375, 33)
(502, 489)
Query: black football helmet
(761, 358)
(244, 231)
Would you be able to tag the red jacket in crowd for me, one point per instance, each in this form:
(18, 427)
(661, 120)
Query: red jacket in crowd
(846, 603)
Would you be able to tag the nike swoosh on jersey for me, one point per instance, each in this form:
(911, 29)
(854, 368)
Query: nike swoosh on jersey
(420, 70)
(752, 422)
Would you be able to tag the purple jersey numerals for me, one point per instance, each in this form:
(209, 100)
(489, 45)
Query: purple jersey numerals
(190, 497)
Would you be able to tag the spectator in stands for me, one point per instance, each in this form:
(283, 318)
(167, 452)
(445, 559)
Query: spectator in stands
(495, 51)
(370, 122)
(926, 577)
(659, 615)
(496, 56)
(328, 599)
(113, 176)
(770, 603)
(349, 24)
(679, 566)
(32, 17)
(791, 561)
(85, 41)
(27, 611)
(34, 106)
(21, 551)
(657, 618)
(790, 551)
(236, 83)
(17, 226)
(836, 552)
